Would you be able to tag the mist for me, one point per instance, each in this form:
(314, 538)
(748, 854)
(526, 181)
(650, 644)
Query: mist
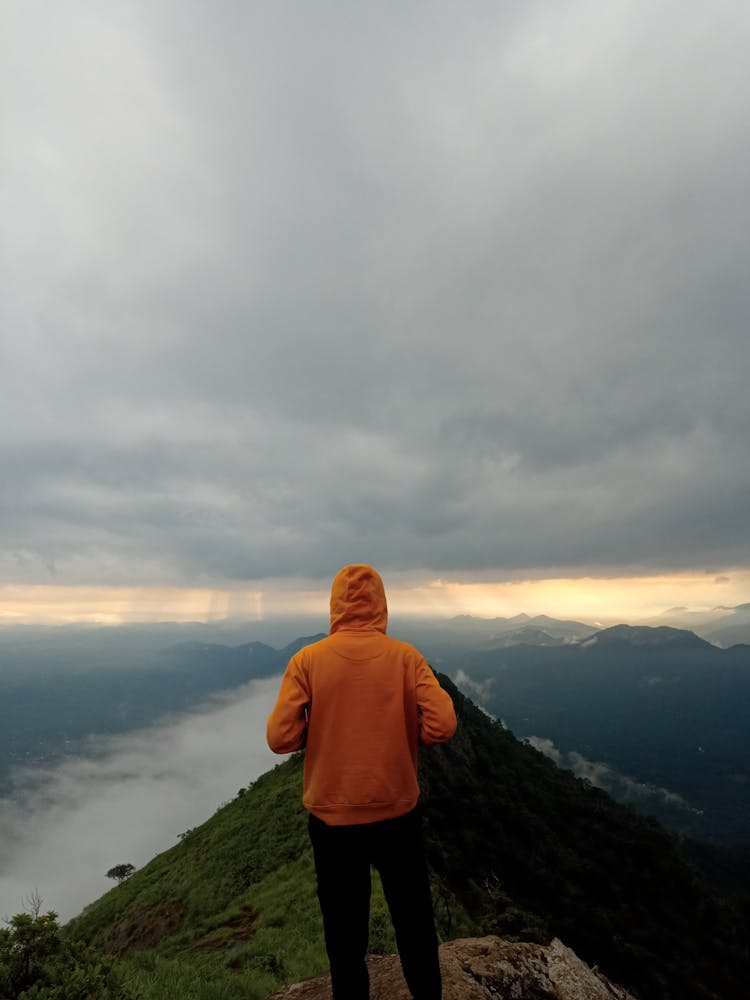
(620, 786)
(127, 798)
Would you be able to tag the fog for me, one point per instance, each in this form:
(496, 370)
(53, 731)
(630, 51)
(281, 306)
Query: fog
(127, 798)
(478, 691)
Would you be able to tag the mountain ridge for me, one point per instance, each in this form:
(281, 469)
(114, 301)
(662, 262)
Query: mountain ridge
(647, 636)
(516, 848)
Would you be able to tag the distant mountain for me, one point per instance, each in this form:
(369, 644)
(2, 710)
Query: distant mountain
(516, 847)
(441, 640)
(560, 629)
(724, 626)
(527, 636)
(656, 716)
(53, 697)
(217, 667)
(736, 635)
(565, 629)
(640, 637)
(731, 629)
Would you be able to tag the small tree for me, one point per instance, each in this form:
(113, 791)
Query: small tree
(33, 903)
(37, 963)
(121, 873)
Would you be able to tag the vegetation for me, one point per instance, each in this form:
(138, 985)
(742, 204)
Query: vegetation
(37, 963)
(121, 872)
(515, 845)
(531, 851)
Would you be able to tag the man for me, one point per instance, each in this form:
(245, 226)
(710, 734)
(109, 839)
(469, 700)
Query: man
(361, 702)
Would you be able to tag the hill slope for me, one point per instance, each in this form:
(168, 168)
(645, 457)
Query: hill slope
(517, 847)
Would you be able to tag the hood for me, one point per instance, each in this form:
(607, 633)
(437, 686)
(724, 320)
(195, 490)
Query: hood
(358, 600)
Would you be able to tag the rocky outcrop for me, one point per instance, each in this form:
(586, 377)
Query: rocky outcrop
(487, 968)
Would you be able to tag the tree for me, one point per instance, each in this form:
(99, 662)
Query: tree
(121, 872)
(25, 946)
(37, 963)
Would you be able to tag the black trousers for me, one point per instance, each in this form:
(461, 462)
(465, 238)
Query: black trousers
(343, 856)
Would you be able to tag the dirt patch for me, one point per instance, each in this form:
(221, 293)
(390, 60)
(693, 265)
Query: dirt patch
(238, 928)
(145, 928)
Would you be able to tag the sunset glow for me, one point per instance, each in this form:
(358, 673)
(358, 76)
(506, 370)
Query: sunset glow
(604, 600)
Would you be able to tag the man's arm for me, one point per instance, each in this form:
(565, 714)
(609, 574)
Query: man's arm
(287, 723)
(437, 717)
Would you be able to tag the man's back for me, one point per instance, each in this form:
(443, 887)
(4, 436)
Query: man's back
(361, 702)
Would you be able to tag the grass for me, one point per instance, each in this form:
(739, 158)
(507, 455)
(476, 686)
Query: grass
(240, 891)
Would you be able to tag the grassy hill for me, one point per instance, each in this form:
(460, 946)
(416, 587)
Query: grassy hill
(516, 846)
(231, 910)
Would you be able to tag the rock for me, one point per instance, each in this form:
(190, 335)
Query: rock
(487, 968)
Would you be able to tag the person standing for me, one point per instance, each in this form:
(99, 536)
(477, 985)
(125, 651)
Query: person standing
(361, 702)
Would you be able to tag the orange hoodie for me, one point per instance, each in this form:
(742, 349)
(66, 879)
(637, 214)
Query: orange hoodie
(360, 702)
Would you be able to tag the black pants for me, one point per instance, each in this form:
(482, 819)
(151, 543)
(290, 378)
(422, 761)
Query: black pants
(343, 855)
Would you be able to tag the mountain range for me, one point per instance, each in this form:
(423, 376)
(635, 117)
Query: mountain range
(723, 626)
(516, 847)
(656, 716)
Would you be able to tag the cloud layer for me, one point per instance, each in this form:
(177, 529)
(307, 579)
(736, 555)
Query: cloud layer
(288, 286)
(128, 799)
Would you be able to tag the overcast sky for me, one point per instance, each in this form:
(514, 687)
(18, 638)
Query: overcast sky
(452, 289)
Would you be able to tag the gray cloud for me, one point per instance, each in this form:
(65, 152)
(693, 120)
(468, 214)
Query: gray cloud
(283, 287)
(66, 826)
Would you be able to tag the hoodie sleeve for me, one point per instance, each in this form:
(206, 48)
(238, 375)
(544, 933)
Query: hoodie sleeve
(437, 717)
(287, 723)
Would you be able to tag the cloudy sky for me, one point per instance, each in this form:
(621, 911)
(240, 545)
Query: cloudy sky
(460, 291)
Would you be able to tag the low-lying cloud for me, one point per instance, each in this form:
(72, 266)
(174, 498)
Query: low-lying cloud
(478, 691)
(601, 775)
(127, 799)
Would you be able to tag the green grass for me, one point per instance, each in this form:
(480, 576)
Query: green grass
(212, 866)
(242, 887)
(269, 937)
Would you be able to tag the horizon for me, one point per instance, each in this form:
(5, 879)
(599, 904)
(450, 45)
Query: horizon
(606, 601)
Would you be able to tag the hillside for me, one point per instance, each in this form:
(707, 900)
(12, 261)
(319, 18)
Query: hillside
(517, 848)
